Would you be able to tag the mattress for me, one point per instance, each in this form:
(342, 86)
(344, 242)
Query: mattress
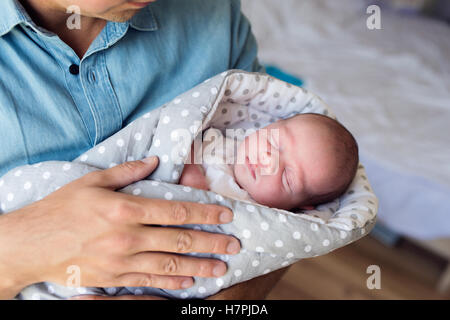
(390, 87)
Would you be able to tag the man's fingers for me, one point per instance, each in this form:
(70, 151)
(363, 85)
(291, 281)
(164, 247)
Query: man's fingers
(166, 212)
(169, 282)
(175, 265)
(179, 240)
(123, 174)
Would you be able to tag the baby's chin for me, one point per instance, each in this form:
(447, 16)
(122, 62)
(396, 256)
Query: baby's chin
(278, 201)
(272, 204)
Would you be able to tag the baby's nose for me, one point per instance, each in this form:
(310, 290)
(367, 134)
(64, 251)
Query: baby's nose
(265, 159)
(268, 163)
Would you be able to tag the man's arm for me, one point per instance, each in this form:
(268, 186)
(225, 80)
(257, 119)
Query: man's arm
(244, 53)
(40, 241)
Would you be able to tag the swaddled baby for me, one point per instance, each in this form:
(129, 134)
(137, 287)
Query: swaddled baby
(297, 162)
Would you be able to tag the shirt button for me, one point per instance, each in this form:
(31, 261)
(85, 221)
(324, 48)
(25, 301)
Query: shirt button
(74, 69)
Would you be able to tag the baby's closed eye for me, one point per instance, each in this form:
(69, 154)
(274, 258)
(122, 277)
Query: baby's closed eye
(285, 177)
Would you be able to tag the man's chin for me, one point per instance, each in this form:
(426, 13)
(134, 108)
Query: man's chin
(121, 16)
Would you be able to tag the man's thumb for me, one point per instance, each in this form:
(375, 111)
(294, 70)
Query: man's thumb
(126, 173)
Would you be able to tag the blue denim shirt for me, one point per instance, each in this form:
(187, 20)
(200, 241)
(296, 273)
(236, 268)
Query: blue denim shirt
(48, 113)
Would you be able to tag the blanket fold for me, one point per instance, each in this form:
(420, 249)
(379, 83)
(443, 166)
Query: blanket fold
(270, 238)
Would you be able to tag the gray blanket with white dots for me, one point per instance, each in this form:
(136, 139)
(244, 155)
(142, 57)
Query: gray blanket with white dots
(270, 238)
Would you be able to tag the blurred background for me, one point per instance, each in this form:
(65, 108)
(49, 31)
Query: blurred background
(391, 88)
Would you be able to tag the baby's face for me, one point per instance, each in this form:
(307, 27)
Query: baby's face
(282, 163)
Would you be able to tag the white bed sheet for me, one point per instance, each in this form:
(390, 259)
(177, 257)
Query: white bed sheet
(390, 87)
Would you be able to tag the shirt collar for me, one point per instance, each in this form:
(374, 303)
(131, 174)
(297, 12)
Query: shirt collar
(144, 20)
(12, 14)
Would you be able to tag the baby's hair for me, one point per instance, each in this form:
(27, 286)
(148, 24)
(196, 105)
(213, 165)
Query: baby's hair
(346, 151)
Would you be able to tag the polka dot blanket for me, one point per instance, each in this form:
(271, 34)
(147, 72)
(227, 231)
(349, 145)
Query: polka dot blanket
(270, 238)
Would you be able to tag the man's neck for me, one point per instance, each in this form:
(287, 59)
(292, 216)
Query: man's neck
(52, 17)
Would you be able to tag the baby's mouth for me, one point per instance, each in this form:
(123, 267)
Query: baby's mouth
(250, 168)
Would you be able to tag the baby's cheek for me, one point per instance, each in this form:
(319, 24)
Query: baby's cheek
(269, 187)
(239, 174)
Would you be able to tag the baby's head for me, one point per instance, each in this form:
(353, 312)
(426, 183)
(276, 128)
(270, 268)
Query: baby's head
(302, 161)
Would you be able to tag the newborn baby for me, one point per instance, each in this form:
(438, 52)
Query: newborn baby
(298, 162)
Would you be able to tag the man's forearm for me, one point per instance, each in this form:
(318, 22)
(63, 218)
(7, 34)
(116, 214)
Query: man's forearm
(254, 289)
(10, 279)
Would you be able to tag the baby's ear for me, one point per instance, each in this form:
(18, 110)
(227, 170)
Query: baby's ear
(307, 208)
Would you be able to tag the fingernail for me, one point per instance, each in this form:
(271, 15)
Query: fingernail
(226, 217)
(187, 283)
(233, 247)
(150, 160)
(219, 270)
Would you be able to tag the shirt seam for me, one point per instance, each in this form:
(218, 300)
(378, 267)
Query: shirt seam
(110, 88)
(92, 109)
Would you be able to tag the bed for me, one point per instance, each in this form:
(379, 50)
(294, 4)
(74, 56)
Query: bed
(390, 87)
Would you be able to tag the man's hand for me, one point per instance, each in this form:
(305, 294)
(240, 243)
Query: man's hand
(254, 289)
(194, 176)
(110, 236)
